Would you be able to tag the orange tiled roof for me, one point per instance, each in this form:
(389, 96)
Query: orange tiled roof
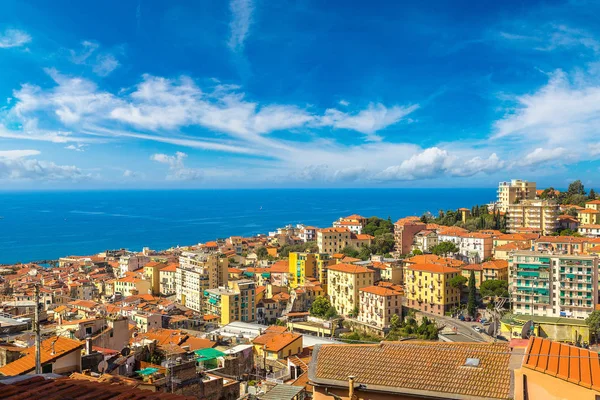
(335, 230)
(171, 267)
(590, 226)
(51, 350)
(280, 266)
(349, 268)
(561, 239)
(433, 259)
(412, 220)
(513, 246)
(364, 236)
(573, 364)
(274, 341)
(38, 387)
(588, 211)
(380, 291)
(472, 267)
(593, 202)
(435, 268)
(419, 368)
(495, 264)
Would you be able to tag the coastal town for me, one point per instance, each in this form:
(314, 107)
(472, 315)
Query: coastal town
(489, 301)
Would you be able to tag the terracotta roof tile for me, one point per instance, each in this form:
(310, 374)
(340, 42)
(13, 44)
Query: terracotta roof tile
(435, 268)
(380, 291)
(427, 368)
(349, 268)
(51, 350)
(579, 366)
(64, 388)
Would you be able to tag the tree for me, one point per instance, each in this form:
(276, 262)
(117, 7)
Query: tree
(262, 253)
(593, 322)
(444, 248)
(350, 251)
(494, 288)
(472, 301)
(458, 282)
(364, 253)
(548, 193)
(576, 187)
(320, 306)
(592, 195)
(417, 252)
(395, 322)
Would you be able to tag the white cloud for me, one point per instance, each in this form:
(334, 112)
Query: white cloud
(132, 174)
(241, 19)
(14, 165)
(369, 121)
(564, 112)
(344, 103)
(177, 169)
(14, 154)
(541, 156)
(551, 37)
(436, 163)
(102, 64)
(13, 38)
(105, 64)
(76, 147)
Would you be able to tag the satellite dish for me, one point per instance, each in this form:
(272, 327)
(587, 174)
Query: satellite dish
(527, 330)
(126, 351)
(102, 366)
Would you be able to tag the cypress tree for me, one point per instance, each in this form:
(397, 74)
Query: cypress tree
(472, 301)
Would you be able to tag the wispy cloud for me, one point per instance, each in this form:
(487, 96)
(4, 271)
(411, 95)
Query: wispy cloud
(177, 169)
(102, 63)
(13, 38)
(16, 165)
(76, 147)
(241, 19)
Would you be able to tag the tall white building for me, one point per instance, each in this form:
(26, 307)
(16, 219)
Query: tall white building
(513, 191)
(197, 272)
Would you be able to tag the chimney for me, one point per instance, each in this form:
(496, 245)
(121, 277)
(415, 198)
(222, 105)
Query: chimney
(88, 345)
(351, 387)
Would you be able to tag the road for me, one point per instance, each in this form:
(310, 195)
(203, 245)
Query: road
(463, 329)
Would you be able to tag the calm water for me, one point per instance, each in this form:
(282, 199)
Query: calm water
(48, 225)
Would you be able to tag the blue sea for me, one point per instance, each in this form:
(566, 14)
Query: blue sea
(48, 225)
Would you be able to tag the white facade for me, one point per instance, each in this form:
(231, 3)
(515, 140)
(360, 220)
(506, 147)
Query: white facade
(592, 231)
(131, 262)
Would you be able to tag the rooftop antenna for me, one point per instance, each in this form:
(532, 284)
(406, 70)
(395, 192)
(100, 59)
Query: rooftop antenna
(38, 339)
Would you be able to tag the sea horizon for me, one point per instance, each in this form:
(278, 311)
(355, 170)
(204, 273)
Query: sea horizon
(51, 224)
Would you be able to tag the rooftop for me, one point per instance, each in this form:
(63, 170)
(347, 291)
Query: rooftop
(417, 368)
(349, 268)
(570, 363)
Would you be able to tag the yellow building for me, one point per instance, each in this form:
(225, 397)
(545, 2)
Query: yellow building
(333, 240)
(495, 269)
(224, 303)
(247, 290)
(427, 288)
(152, 273)
(130, 286)
(477, 271)
(308, 265)
(514, 191)
(588, 216)
(560, 329)
(277, 344)
(593, 204)
(345, 280)
(541, 215)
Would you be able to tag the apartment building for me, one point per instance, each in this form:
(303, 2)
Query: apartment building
(513, 192)
(427, 288)
(355, 223)
(377, 305)
(247, 290)
(405, 230)
(307, 233)
(539, 215)
(131, 262)
(424, 240)
(495, 270)
(591, 231)
(561, 244)
(197, 272)
(308, 265)
(152, 273)
(129, 286)
(476, 269)
(344, 282)
(224, 303)
(167, 279)
(333, 240)
(553, 285)
(588, 216)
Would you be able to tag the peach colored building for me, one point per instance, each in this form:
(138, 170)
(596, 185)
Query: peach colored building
(405, 230)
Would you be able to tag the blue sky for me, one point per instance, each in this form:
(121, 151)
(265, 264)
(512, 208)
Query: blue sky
(249, 93)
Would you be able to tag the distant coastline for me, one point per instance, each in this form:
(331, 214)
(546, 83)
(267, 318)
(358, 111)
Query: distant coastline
(53, 224)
